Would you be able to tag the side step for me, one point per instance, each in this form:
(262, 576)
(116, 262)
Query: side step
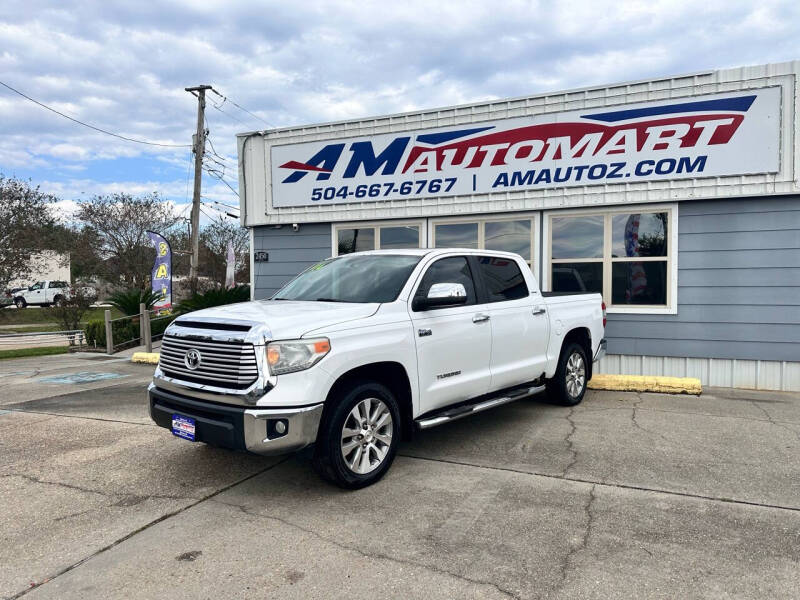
(459, 412)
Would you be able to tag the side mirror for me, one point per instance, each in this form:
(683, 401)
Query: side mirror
(441, 294)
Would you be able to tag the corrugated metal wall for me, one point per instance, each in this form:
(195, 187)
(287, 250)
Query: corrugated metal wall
(289, 253)
(738, 286)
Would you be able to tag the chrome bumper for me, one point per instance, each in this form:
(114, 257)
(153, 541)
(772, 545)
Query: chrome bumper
(601, 351)
(302, 425)
(266, 431)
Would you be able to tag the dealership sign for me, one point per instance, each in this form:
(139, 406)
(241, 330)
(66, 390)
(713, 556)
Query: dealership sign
(707, 136)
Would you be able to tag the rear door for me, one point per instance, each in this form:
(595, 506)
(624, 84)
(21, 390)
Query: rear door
(453, 342)
(520, 326)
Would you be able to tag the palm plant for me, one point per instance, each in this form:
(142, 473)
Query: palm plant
(215, 297)
(128, 300)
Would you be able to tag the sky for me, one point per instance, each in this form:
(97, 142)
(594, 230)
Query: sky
(123, 67)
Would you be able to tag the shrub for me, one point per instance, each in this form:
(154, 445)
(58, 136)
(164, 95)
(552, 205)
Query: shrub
(128, 300)
(122, 331)
(215, 297)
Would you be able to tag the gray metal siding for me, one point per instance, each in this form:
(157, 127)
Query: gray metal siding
(738, 286)
(289, 253)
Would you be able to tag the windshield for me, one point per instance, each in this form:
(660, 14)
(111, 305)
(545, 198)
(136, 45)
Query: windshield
(355, 278)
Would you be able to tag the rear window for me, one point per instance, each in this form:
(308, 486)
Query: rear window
(502, 278)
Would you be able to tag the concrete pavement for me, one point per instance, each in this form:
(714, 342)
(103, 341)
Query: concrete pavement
(626, 495)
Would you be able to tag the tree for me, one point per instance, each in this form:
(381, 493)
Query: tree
(25, 213)
(69, 312)
(120, 222)
(214, 240)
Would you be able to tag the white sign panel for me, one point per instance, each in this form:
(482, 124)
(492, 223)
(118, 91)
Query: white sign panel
(705, 136)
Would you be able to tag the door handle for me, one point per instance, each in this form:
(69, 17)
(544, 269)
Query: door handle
(480, 318)
(539, 310)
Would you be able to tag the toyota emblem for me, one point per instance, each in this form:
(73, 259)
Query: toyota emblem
(192, 359)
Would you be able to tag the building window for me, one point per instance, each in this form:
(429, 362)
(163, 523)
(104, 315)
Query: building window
(511, 234)
(358, 237)
(628, 256)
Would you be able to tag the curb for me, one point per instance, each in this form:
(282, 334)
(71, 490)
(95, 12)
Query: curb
(646, 383)
(147, 358)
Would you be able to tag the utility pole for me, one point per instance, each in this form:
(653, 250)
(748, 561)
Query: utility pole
(199, 145)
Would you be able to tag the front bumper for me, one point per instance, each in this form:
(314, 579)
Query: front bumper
(601, 350)
(237, 427)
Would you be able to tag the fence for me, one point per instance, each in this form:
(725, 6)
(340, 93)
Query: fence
(74, 338)
(120, 333)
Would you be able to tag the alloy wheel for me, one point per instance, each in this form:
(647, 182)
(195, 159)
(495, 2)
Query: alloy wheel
(367, 436)
(576, 374)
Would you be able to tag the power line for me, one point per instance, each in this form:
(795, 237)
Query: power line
(218, 175)
(116, 135)
(242, 108)
(227, 114)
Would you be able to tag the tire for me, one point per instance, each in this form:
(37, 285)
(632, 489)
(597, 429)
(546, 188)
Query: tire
(58, 301)
(20, 302)
(568, 385)
(339, 457)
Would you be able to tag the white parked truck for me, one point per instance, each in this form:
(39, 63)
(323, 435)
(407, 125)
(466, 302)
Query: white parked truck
(358, 351)
(42, 293)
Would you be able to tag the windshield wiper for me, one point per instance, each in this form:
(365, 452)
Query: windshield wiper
(330, 300)
(279, 298)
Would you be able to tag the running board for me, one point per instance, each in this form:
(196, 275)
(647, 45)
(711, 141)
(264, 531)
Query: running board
(460, 412)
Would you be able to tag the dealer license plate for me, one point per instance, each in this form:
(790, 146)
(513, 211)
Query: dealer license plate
(183, 427)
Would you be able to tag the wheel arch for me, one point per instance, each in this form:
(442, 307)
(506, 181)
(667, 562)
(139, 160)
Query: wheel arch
(391, 374)
(583, 337)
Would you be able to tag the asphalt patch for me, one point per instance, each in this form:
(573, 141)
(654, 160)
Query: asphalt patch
(81, 377)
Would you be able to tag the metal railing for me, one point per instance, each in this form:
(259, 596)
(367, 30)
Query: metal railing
(72, 337)
(145, 337)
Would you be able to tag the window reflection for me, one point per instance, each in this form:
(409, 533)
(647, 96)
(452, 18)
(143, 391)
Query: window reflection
(577, 277)
(355, 240)
(509, 236)
(457, 235)
(577, 237)
(638, 282)
(399, 237)
(639, 235)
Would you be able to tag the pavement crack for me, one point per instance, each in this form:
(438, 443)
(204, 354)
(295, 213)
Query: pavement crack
(125, 498)
(772, 420)
(622, 486)
(128, 536)
(566, 564)
(370, 555)
(570, 443)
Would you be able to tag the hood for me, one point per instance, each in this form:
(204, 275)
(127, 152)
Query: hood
(287, 319)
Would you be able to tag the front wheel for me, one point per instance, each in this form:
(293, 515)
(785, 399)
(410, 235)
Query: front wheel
(20, 303)
(358, 437)
(568, 385)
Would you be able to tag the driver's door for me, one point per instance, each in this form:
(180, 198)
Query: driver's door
(453, 342)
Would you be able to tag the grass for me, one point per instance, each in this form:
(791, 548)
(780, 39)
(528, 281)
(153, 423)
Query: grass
(43, 351)
(34, 316)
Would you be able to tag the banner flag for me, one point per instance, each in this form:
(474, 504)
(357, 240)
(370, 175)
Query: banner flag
(161, 275)
(229, 271)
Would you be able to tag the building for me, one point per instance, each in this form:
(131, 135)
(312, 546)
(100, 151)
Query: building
(676, 198)
(48, 265)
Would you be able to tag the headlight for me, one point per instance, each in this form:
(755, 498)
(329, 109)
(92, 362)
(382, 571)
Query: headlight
(296, 355)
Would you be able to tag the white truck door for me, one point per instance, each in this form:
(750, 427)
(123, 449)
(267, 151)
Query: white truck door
(520, 328)
(36, 295)
(453, 342)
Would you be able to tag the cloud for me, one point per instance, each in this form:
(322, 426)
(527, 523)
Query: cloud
(123, 66)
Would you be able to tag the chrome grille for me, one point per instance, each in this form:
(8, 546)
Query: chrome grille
(223, 364)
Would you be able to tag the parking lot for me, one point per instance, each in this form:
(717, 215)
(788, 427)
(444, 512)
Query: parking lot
(627, 495)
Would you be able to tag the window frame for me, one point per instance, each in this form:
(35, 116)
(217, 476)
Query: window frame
(671, 308)
(481, 220)
(376, 226)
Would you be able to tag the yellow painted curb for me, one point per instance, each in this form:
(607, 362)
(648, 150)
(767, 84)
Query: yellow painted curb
(148, 358)
(646, 383)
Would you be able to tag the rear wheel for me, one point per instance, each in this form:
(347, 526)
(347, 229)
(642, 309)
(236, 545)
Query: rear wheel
(358, 437)
(568, 385)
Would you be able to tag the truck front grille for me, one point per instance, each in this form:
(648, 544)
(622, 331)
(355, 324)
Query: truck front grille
(222, 364)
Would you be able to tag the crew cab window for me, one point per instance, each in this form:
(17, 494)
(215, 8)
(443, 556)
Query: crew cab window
(502, 278)
(448, 270)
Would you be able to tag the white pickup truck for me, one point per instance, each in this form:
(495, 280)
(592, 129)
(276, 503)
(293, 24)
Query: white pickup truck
(42, 293)
(358, 351)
